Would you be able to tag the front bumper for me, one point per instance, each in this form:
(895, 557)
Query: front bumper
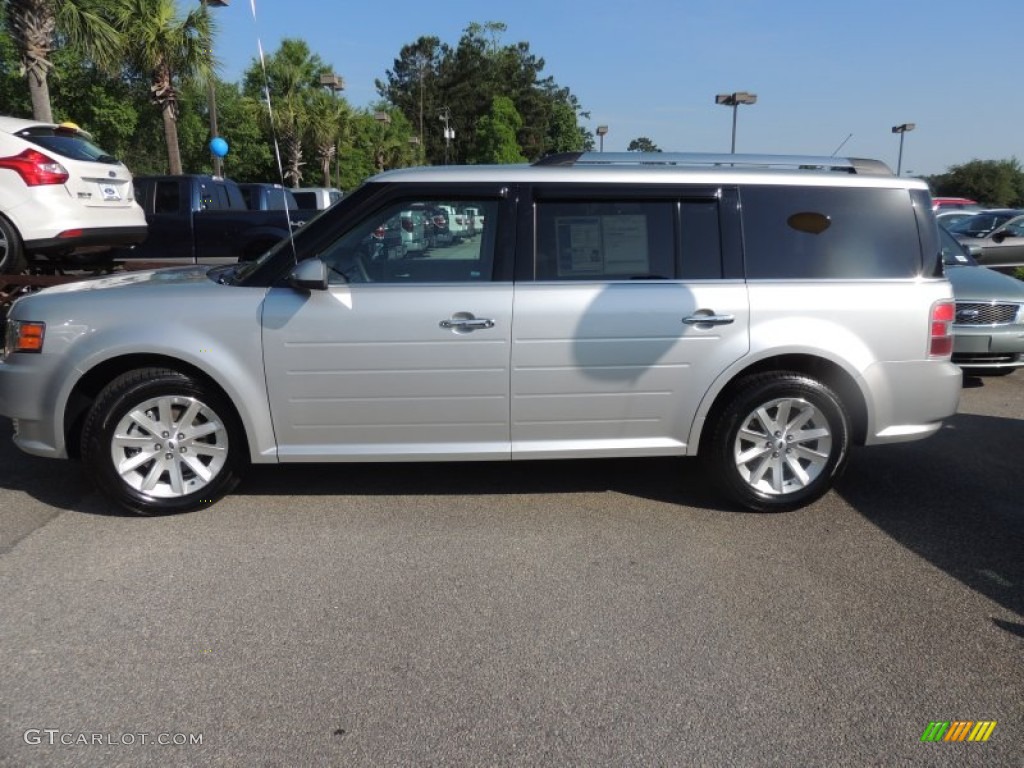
(988, 348)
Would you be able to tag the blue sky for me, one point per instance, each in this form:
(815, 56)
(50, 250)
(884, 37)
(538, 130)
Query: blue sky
(821, 70)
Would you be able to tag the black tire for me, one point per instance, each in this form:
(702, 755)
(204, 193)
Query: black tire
(773, 466)
(12, 251)
(181, 450)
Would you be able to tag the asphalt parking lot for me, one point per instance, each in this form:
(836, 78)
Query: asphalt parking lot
(577, 613)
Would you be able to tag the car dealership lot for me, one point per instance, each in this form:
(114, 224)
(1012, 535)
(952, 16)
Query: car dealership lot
(592, 613)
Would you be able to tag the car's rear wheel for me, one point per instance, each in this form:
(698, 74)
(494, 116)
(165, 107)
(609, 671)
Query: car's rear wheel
(158, 442)
(12, 251)
(779, 443)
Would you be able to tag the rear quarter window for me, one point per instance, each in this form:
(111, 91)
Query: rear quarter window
(829, 233)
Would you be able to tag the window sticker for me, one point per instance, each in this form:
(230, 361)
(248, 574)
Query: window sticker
(601, 245)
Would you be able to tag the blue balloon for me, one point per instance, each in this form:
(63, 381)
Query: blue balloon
(218, 146)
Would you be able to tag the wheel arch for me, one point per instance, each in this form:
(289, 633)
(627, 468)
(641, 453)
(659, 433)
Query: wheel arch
(825, 371)
(89, 386)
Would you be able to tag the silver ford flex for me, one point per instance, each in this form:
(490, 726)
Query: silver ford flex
(763, 314)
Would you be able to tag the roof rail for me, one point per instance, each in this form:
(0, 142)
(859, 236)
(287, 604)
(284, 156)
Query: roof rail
(795, 162)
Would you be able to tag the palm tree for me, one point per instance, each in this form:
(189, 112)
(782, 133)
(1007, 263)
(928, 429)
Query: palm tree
(34, 26)
(327, 122)
(170, 50)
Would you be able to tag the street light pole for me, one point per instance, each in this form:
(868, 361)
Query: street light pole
(734, 100)
(602, 131)
(902, 130)
(218, 168)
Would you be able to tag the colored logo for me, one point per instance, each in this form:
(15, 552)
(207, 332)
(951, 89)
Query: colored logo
(959, 730)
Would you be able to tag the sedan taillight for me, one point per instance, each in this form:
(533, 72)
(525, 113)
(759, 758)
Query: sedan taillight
(941, 335)
(35, 168)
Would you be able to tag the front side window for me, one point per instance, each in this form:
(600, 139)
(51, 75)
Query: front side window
(417, 241)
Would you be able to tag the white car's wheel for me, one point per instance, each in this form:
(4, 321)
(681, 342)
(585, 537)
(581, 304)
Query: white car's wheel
(158, 442)
(12, 252)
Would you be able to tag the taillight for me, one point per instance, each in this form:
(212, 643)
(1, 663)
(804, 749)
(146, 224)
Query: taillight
(941, 336)
(379, 232)
(35, 168)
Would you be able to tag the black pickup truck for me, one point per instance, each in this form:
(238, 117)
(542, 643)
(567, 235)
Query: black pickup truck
(196, 219)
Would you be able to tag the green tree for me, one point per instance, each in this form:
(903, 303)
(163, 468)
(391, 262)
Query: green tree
(328, 124)
(13, 94)
(496, 134)
(564, 134)
(171, 50)
(36, 26)
(295, 109)
(999, 183)
(642, 144)
(432, 79)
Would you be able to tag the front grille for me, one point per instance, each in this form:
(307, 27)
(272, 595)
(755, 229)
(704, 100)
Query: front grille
(974, 313)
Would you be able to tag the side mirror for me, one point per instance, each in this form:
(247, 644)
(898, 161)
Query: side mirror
(1000, 236)
(309, 275)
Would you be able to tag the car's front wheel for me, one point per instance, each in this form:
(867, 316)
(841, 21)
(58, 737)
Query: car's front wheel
(159, 441)
(780, 442)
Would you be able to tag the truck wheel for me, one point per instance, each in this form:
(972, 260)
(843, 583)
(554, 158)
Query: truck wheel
(158, 441)
(12, 252)
(779, 443)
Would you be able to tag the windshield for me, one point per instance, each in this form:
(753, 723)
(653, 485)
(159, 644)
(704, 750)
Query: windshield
(953, 253)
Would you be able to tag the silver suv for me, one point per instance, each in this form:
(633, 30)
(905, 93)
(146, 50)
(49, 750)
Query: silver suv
(763, 314)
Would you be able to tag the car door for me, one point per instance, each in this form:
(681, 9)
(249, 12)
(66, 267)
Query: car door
(168, 206)
(1005, 246)
(624, 324)
(401, 357)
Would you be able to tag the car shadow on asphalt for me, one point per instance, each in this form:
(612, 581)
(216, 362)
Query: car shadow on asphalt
(955, 500)
(670, 480)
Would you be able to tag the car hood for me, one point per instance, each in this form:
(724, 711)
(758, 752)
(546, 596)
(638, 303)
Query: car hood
(983, 284)
(172, 275)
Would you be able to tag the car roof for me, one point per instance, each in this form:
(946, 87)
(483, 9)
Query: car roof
(641, 168)
(15, 124)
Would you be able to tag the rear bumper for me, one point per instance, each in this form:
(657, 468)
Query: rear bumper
(910, 400)
(88, 240)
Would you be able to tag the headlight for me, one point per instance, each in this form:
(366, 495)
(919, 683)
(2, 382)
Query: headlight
(23, 336)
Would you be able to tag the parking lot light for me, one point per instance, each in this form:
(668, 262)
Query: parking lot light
(902, 130)
(734, 100)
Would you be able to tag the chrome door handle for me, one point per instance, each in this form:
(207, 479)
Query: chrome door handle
(704, 317)
(460, 324)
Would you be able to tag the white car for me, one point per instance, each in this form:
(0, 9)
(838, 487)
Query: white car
(61, 195)
(317, 198)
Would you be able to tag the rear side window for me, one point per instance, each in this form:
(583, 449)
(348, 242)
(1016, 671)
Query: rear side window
(627, 240)
(165, 197)
(823, 233)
